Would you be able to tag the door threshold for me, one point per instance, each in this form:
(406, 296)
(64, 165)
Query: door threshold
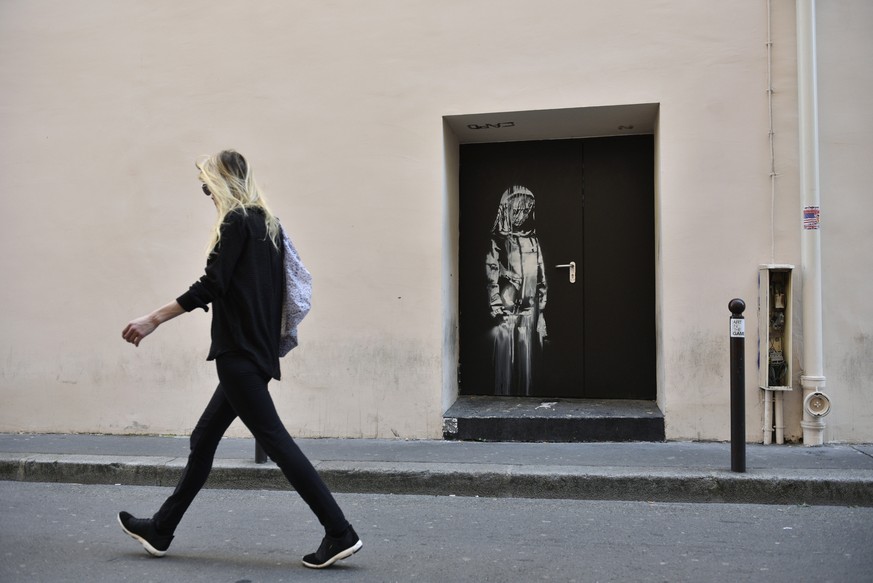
(543, 419)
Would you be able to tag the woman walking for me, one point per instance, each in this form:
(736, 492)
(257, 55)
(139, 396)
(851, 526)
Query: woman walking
(245, 283)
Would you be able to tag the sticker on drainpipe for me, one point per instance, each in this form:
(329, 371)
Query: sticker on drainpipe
(811, 218)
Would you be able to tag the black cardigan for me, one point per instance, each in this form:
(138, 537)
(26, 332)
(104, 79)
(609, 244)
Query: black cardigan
(244, 282)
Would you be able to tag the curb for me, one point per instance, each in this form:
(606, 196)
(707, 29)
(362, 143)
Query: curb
(819, 488)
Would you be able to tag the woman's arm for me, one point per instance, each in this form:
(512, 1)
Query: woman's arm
(220, 265)
(138, 329)
(219, 271)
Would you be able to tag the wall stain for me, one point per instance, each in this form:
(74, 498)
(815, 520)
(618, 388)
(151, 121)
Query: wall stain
(857, 365)
(701, 363)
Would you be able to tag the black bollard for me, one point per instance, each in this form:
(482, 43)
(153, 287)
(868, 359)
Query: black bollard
(738, 385)
(260, 454)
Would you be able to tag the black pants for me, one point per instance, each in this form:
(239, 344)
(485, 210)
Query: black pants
(242, 391)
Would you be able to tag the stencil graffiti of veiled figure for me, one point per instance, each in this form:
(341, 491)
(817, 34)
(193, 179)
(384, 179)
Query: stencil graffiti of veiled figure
(516, 292)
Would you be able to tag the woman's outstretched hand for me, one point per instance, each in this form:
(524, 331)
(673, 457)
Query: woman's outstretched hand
(138, 329)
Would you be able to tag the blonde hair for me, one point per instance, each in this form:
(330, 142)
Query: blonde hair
(230, 181)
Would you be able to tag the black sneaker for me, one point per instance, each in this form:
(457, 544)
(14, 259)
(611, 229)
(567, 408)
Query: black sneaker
(333, 549)
(143, 530)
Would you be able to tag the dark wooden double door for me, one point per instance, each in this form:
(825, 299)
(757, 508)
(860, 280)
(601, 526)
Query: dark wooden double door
(528, 210)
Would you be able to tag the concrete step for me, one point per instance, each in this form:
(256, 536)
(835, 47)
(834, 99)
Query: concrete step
(485, 418)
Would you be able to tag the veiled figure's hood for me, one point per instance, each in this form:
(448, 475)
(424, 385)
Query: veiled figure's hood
(515, 214)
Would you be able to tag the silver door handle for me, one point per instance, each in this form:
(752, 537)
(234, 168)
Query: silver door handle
(572, 266)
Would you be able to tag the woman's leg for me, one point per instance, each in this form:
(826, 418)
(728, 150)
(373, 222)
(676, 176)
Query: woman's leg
(214, 421)
(245, 387)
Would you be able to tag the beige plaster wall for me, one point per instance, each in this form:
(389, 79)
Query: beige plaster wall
(846, 136)
(338, 105)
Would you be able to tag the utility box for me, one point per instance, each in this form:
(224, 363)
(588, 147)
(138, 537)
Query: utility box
(774, 327)
(775, 299)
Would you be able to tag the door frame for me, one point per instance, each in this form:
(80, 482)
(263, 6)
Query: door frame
(586, 122)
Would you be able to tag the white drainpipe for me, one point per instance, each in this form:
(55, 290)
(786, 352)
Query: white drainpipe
(815, 403)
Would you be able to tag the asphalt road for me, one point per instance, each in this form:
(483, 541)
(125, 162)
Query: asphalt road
(67, 532)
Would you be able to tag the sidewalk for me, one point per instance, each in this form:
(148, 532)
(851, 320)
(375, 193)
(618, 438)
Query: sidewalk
(666, 472)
